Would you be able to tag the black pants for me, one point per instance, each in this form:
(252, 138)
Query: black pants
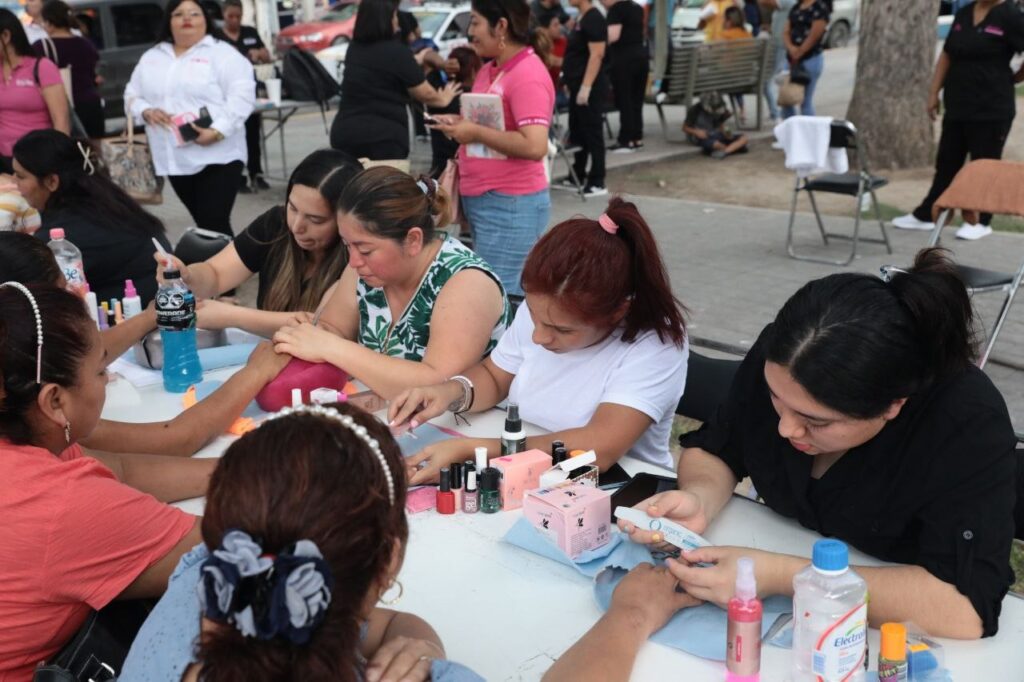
(209, 195)
(252, 143)
(586, 130)
(979, 139)
(91, 116)
(629, 82)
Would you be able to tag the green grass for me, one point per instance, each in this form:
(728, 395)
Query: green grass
(1000, 223)
(1017, 561)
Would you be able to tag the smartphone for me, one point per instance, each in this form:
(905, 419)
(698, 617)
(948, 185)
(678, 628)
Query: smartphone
(431, 120)
(188, 133)
(642, 486)
(614, 477)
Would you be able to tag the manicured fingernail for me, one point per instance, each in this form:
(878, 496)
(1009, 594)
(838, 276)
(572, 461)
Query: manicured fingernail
(391, 423)
(413, 424)
(656, 537)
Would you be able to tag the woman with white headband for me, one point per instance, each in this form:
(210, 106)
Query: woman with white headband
(305, 521)
(78, 531)
(597, 355)
(414, 306)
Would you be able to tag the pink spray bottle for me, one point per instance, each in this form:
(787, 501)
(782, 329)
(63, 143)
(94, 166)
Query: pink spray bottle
(743, 647)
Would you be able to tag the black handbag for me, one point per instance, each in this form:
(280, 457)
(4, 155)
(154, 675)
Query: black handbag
(799, 75)
(98, 650)
(198, 245)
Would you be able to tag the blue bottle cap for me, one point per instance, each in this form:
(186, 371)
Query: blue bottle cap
(831, 555)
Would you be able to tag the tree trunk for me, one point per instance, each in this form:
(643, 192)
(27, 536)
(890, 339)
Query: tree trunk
(895, 62)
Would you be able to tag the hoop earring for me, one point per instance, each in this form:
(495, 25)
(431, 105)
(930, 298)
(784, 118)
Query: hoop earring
(67, 433)
(394, 600)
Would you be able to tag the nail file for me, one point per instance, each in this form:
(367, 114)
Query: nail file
(672, 532)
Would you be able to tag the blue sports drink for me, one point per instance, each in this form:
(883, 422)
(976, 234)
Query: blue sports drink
(176, 319)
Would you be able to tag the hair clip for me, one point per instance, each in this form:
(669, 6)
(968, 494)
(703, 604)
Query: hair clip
(888, 270)
(87, 164)
(607, 224)
(39, 326)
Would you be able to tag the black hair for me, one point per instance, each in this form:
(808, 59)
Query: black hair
(19, 40)
(407, 25)
(59, 14)
(515, 12)
(27, 260)
(857, 343)
(165, 35)
(233, 3)
(65, 345)
(51, 152)
(374, 21)
(735, 16)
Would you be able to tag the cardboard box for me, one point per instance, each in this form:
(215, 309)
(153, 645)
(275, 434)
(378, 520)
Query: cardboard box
(519, 473)
(574, 518)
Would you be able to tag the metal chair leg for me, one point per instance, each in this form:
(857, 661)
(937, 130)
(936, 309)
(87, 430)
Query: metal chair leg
(792, 219)
(1003, 312)
(817, 216)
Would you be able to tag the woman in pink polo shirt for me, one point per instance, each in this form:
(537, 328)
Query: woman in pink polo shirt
(31, 91)
(506, 199)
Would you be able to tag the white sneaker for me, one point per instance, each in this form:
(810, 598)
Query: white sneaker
(973, 232)
(909, 222)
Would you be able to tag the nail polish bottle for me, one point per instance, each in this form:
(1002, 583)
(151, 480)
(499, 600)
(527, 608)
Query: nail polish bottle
(513, 437)
(490, 497)
(445, 499)
(555, 444)
(470, 498)
(456, 481)
(558, 454)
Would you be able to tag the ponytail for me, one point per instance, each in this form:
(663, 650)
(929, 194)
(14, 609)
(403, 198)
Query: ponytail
(389, 203)
(59, 14)
(857, 343)
(597, 267)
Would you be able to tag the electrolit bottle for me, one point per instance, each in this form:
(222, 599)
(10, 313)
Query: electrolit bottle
(69, 259)
(830, 618)
(176, 319)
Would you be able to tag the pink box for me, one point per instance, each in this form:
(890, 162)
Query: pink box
(519, 473)
(575, 518)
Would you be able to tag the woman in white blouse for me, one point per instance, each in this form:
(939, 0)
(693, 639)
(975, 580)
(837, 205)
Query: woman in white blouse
(189, 70)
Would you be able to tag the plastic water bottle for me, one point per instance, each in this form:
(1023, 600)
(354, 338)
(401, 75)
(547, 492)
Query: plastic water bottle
(176, 319)
(69, 259)
(830, 618)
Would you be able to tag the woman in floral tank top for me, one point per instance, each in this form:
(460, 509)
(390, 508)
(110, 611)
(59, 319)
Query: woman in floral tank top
(414, 306)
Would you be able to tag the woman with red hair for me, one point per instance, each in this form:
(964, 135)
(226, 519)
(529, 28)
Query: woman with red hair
(596, 354)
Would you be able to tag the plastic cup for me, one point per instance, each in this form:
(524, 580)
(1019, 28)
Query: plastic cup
(274, 90)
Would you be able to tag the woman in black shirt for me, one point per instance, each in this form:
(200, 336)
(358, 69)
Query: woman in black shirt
(583, 73)
(380, 75)
(295, 249)
(859, 412)
(977, 84)
(627, 56)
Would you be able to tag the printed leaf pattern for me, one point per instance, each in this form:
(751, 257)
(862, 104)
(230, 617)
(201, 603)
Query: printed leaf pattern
(410, 335)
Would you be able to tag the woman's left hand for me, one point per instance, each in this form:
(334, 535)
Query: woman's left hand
(207, 136)
(306, 342)
(717, 583)
(403, 659)
(437, 456)
(459, 129)
(212, 314)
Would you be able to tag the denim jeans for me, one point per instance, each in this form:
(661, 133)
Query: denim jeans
(771, 90)
(815, 65)
(505, 228)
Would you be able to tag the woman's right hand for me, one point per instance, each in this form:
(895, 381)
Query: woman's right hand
(266, 362)
(157, 117)
(934, 105)
(419, 405)
(176, 264)
(680, 506)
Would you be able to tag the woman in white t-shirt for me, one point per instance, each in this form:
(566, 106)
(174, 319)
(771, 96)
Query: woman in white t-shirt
(596, 355)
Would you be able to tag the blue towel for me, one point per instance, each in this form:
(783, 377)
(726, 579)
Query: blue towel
(426, 434)
(225, 356)
(205, 388)
(699, 630)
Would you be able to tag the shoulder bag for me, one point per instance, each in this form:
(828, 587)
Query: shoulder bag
(130, 164)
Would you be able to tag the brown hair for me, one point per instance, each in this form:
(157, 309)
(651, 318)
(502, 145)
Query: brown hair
(65, 345)
(517, 14)
(389, 203)
(593, 272)
(307, 477)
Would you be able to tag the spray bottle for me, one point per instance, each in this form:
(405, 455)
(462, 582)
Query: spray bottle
(743, 644)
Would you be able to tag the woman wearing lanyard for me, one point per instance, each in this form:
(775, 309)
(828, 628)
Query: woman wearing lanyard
(860, 413)
(505, 195)
(977, 84)
(190, 70)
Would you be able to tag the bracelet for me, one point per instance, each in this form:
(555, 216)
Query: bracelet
(465, 401)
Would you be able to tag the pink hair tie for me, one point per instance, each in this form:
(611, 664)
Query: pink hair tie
(607, 224)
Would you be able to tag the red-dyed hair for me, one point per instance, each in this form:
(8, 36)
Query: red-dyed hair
(592, 272)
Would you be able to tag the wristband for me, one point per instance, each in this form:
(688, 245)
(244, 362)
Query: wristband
(465, 401)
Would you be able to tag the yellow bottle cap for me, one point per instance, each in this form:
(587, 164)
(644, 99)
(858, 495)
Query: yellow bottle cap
(577, 453)
(894, 642)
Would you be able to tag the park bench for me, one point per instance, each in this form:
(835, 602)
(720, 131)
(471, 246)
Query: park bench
(729, 67)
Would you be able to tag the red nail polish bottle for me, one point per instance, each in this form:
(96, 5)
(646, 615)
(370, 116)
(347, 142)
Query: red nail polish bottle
(445, 496)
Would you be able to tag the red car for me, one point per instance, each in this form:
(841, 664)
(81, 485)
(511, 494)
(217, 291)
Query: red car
(333, 28)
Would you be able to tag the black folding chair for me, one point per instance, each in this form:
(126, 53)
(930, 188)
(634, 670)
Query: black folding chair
(708, 381)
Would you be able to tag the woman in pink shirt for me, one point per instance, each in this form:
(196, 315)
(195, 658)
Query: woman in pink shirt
(502, 180)
(78, 531)
(31, 90)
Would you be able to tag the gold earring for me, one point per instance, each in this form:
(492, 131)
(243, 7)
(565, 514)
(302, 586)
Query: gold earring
(395, 599)
(67, 432)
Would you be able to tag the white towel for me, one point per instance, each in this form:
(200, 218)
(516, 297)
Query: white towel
(805, 140)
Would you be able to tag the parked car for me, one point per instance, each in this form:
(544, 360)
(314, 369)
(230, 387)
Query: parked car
(845, 21)
(122, 30)
(333, 28)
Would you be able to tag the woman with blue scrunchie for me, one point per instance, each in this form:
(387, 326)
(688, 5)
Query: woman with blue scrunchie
(307, 518)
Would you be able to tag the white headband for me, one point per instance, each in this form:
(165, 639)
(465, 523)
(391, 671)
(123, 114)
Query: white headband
(39, 326)
(350, 424)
